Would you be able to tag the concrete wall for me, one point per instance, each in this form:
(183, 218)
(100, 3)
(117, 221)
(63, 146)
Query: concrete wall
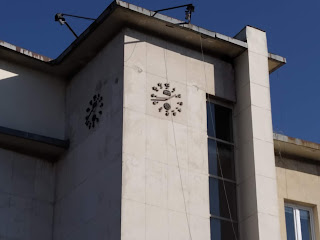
(299, 183)
(31, 101)
(88, 191)
(256, 177)
(165, 192)
(138, 174)
(26, 197)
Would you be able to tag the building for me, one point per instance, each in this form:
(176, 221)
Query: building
(298, 171)
(147, 129)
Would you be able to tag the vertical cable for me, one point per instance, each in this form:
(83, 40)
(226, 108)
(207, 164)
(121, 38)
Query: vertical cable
(175, 146)
(223, 181)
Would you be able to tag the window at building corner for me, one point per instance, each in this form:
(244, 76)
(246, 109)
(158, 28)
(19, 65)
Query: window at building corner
(299, 222)
(222, 185)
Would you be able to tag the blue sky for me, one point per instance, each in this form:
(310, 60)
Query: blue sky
(292, 29)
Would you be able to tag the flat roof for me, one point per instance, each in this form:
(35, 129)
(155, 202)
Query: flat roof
(295, 147)
(115, 17)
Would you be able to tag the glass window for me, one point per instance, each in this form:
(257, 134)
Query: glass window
(299, 223)
(223, 123)
(211, 120)
(221, 161)
(305, 222)
(290, 223)
(222, 185)
(221, 229)
(219, 122)
(222, 194)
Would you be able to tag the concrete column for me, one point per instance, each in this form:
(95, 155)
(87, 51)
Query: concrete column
(257, 189)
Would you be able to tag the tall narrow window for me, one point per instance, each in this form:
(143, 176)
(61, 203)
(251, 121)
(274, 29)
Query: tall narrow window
(222, 185)
(299, 222)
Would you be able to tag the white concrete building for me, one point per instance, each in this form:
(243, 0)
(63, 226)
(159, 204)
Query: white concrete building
(142, 129)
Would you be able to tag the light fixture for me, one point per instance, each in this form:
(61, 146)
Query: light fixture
(189, 10)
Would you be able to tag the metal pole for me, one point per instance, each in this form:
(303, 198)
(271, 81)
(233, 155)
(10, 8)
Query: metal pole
(165, 9)
(69, 15)
(71, 30)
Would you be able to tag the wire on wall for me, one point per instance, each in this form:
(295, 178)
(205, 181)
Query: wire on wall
(176, 151)
(218, 156)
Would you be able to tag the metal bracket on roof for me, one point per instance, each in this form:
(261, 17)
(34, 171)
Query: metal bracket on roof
(189, 10)
(59, 17)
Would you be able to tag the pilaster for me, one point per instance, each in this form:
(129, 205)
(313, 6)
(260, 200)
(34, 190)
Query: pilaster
(257, 188)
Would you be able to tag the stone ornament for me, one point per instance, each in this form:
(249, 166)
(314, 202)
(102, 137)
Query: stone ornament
(166, 93)
(94, 111)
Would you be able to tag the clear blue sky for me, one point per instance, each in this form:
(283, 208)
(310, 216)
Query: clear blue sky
(292, 28)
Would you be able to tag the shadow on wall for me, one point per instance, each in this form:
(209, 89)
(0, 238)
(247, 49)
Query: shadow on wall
(89, 175)
(299, 165)
(31, 101)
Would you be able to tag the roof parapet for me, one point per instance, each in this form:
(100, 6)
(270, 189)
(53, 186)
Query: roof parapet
(121, 14)
(25, 51)
(295, 147)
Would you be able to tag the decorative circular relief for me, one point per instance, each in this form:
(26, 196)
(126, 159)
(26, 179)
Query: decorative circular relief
(166, 93)
(94, 111)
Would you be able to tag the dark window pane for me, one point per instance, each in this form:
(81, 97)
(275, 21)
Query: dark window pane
(218, 200)
(219, 122)
(212, 157)
(223, 230)
(223, 121)
(290, 223)
(305, 225)
(220, 153)
(210, 120)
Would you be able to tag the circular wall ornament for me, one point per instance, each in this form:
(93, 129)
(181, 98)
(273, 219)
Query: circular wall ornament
(162, 96)
(94, 111)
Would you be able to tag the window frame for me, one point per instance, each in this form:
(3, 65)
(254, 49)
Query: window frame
(296, 217)
(228, 105)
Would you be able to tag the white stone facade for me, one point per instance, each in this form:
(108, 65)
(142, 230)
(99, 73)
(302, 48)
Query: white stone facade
(165, 158)
(138, 174)
(88, 186)
(257, 186)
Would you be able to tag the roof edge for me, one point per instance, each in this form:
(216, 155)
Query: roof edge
(295, 147)
(113, 5)
(238, 46)
(24, 51)
(275, 62)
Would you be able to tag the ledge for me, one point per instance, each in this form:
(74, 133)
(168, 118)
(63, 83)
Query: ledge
(32, 144)
(275, 62)
(296, 148)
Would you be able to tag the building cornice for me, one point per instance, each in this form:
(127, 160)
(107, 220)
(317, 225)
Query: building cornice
(117, 16)
(32, 144)
(296, 148)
